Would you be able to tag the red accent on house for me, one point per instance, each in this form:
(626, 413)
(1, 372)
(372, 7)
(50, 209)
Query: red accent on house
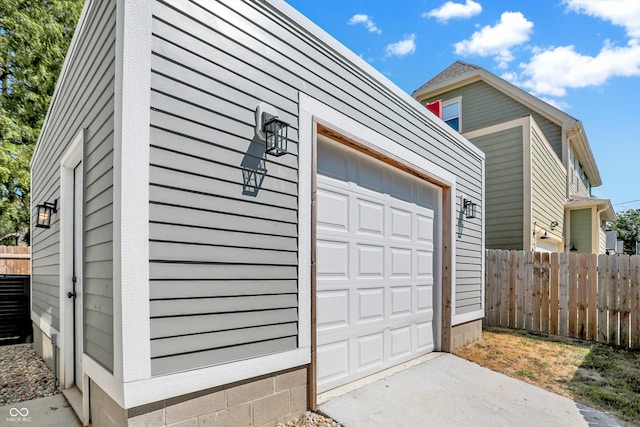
(435, 107)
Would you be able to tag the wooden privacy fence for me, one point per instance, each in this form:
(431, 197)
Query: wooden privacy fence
(586, 296)
(15, 260)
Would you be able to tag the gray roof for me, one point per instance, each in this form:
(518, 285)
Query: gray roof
(453, 70)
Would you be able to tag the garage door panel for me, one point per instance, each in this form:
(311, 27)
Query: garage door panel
(400, 263)
(333, 210)
(400, 342)
(424, 264)
(370, 350)
(375, 272)
(370, 218)
(424, 336)
(333, 361)
(332, 259)
(400, 301)
(424, 298)
(400, 224)
(370, 305)
(332, 309)
(370, 261)
(425, 228)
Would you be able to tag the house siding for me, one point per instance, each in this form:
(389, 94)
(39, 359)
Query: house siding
(504, 181)
(223, 258)
(602, 238)
(548, 185)
(577, 186)
(83, 100)
(581, 229)
(475, 114)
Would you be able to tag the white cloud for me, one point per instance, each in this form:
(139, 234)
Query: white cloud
(512, 30)
(451, 10)
(403, 47)
(366, 21)
(552, 71)
(624, 13)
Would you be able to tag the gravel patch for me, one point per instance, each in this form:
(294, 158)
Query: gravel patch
(310, 419)
(23, 374)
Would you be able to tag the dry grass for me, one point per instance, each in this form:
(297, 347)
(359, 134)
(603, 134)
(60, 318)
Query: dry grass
(593, 374)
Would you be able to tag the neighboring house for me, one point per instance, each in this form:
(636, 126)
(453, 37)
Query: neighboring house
(539, 167)
(188, 274)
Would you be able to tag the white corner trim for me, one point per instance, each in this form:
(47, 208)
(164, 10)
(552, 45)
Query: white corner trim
(306, 136)
(132, 359)
(162, 387)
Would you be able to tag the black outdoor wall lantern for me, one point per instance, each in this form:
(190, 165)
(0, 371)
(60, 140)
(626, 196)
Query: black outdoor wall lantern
(469, 208)
(44, 212)
(276, 134)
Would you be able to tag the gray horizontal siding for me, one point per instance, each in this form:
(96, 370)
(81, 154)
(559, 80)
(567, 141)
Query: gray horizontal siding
(84, 99)
(212, 63)
(484, 105)
(504, 188)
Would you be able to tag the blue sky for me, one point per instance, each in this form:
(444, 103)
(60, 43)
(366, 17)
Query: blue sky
(583, 56)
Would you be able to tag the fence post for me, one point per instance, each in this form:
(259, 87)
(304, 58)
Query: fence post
(528, 289)
(582, 296)
(612, 300)
(503, 295)
(634, 283)
(536, 286)
(573, 295)
(544, 294)
(592, 288)
(623, 280)
(513, 286)
(553, 292)
(603, 279)
(564, 295)
(520, 292)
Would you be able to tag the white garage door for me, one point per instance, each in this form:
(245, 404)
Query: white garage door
(375, 266)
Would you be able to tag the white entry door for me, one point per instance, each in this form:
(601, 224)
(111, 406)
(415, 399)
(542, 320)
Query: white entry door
(375, 266)
(76, 293)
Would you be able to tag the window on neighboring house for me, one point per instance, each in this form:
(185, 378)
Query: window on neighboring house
(451, 114)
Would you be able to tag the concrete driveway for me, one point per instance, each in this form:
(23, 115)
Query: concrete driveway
(441, 389)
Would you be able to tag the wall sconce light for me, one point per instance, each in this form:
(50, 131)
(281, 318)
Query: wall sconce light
(44, 212)
(276, 134)
(469, 208)
(553, 225)
(573, 248)
(545, 236)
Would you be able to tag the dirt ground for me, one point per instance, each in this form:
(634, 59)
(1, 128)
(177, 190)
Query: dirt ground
(593, 374)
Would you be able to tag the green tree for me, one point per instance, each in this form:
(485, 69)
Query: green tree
(34, 38)
(626, 224)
